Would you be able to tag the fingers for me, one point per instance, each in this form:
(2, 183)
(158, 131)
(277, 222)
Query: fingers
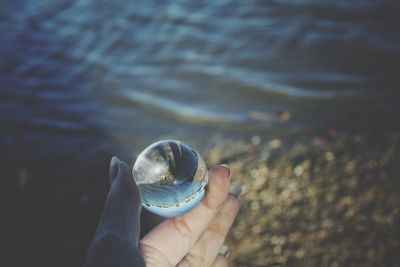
(220, 261)
(121, 215)
(217, 192)
(208, 246)
(174, 237)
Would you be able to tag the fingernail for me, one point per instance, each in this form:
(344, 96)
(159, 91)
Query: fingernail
(226, 166)
(235, 189)
(114, 167)
(224, 251)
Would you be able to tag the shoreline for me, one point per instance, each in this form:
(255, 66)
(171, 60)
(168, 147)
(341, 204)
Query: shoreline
(328, 200)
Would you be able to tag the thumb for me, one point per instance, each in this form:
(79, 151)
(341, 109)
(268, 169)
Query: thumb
(121, 215)
(116, 240)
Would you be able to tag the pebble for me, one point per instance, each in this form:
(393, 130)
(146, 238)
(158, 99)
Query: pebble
(277, 250)
(274, 144)
(329, 156)
(285, 115)
(255, 205)
(301, 211)
(259, 183)
(298, 170)
(256, 140)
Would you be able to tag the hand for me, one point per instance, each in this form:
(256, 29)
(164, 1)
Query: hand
(193, 239)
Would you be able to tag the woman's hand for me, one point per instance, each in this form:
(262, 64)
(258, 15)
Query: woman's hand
(193, 239)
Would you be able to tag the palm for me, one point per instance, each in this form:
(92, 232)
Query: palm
(193, 239)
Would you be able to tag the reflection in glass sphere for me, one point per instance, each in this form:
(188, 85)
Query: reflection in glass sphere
(171, 178)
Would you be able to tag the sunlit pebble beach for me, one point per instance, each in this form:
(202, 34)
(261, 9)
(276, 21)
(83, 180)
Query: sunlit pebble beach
(330, 200)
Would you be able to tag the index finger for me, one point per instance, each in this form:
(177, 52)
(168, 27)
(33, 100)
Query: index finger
(175, 237)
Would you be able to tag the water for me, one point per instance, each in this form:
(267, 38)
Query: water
(171, 178)
(83, 80)
(81, 67)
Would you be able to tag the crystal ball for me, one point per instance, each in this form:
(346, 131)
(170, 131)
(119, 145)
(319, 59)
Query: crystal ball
(171, 178)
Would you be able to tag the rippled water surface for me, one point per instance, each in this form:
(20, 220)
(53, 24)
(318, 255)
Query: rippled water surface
(78, 78)
(87, 66)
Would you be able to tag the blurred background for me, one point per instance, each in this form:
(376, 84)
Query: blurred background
(83, 80)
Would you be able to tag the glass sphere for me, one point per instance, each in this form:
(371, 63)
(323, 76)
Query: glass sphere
(171, 178)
